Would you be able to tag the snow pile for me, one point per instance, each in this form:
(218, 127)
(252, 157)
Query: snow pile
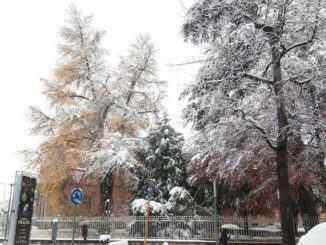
(316, 236)
(122, 242)
(104, 238)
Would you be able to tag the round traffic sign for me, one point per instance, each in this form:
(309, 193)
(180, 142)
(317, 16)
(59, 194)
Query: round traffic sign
(76, 196)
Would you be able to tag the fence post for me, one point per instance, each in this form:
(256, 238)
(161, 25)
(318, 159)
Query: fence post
(172, 224)
(111, 225)
(215, 212)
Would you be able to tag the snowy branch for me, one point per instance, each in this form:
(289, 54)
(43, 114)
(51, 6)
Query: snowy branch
(74, 95)
(256, 125)
(262, 132)
(147, 111)
(258, 79)
(42, 123)
(294, 79)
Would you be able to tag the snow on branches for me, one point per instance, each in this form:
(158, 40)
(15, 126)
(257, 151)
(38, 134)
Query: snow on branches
(97, 114)
(259, 97)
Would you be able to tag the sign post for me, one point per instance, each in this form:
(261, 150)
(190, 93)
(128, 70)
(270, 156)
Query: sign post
(22, 209)
(76, 195)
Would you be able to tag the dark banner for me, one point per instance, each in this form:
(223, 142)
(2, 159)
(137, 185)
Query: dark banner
(25, 211)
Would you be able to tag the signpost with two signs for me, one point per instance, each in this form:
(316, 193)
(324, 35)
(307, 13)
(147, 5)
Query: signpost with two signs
(76, 195)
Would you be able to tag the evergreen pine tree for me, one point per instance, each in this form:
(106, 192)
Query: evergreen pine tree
(163, 161)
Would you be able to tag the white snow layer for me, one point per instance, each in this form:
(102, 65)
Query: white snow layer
(122, 242)
(104, 238)
(316, 236)
(179, 192)
(140, 206)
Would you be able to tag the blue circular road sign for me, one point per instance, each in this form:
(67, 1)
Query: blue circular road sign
(76, 196)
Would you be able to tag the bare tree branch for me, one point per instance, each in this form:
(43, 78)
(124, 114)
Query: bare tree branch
(258, 79)
(74, 95)
(255, 125)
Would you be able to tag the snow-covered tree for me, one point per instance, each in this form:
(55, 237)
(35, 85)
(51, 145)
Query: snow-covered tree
(79, 100)
(161, 160)
(137, 94)
(96, 113)
(250, 98)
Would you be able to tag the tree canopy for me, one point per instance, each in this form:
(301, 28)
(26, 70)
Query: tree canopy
(96, 113)
(260, 88)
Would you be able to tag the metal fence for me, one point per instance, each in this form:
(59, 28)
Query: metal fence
(169, 227)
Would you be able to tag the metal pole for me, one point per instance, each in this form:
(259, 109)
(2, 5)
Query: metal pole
(14, 208)
(73, 226)
(146, 222)
(8, 211)
(215, 211)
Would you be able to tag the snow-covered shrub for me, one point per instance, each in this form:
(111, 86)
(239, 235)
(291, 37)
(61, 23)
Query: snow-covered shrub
(179, 202)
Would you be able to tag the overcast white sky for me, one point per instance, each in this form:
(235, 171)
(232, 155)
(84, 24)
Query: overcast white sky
(28, 52)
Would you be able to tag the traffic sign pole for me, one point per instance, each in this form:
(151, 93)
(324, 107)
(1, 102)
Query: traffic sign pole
(76, 196)
(74, 225)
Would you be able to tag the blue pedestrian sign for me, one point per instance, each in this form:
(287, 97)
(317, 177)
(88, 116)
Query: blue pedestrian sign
(76, 196)
(150, 192)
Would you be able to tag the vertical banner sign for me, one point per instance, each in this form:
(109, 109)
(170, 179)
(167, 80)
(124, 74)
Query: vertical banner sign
(25, 211)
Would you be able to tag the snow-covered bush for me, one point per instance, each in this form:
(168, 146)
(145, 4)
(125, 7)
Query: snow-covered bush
(179, 202)
(139, 207)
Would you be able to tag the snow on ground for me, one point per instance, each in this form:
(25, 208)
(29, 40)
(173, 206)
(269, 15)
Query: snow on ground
(122, 242)
(316, 236)
(105, 237)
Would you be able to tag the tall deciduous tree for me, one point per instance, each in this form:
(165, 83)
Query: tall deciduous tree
(263, 58)
(95, 113)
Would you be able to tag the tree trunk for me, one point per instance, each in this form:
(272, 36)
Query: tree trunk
(285, 201)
